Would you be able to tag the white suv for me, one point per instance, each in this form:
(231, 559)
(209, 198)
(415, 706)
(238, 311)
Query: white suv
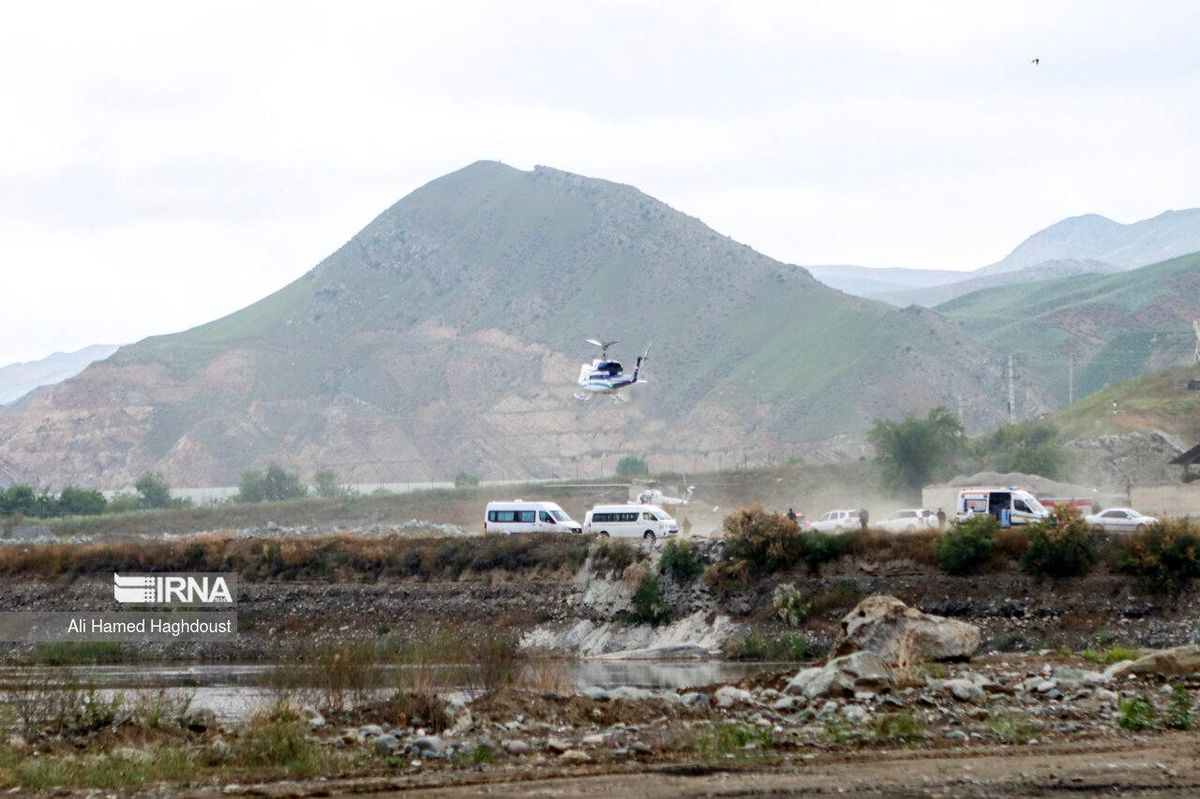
(909, 520)
(836, 521)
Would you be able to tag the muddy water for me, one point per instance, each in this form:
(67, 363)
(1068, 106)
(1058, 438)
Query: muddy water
(236, 691)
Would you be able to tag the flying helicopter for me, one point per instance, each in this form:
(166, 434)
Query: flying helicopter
(653, 495)
(603, 376)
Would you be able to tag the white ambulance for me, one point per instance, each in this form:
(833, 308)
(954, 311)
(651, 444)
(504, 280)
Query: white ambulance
(1015, 505)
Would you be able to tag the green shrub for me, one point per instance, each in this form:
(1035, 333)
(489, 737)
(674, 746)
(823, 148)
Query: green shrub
(680, 561)
(766, 542)
(899, 728)
(730, 738)
(1060, 546)
(1135, 714)
(1165, 557)
(1114, 654)
(792, 607)
(632, 466)
(1014, 730)
(967, 545)
(611, 557)
(649, 607)
(1179, 712)
(790, 648)
(466, 480)
(153, 490)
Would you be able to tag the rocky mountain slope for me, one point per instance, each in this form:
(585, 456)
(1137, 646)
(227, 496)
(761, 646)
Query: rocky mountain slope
(18, 379)
(448, 334)
(1115, 326)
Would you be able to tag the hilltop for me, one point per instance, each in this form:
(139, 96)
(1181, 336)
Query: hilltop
(448, 333)
(1088, 244)
(1159, 402)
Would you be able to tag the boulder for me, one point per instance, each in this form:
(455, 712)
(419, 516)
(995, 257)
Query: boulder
(965, 691)
(386, 744)
(727, 696)
(844, 676)
(1178, 662)
(891, 629)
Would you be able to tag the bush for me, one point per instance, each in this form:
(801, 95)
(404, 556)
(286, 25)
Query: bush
(1179, 712)
(275, 485)
(898, 728)
(727, 738)
(81, 502)
(327, 485)
(611, 558)
(792, 607)
(680, 561)
(1060, 546)
(1135, 714)
(649, 607)
(632, 466)
(766, 542)
(1165, 556)
(466, 480)
(726, 577)
(967, 545)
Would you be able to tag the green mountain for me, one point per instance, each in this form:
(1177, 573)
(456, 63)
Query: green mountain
(1160, 402)
(448, 334)
(1115, 327)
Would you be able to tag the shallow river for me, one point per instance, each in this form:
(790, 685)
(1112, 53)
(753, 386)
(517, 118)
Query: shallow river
(236, 691)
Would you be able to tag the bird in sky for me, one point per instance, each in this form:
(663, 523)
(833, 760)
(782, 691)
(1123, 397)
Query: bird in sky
(1036, 61)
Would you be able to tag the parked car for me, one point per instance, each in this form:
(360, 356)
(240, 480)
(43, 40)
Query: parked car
(909, 520)
(520, 516)
(1119, 520)
(836, 521)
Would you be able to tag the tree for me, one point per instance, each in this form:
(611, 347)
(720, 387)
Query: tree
(325, 483)
(911, 452)
(280, 484)
(153, 491)
(252, 487)
(80, 502)
(1029, 447)
(632, 466)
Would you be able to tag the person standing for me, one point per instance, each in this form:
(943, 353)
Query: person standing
(863, 519)
(791, 514)
(941, 516)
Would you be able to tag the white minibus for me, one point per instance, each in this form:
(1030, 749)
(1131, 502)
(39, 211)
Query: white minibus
(520, 516)
(630, 521)
(1006, 504)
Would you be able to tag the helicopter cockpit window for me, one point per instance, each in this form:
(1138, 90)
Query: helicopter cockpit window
(614, 368)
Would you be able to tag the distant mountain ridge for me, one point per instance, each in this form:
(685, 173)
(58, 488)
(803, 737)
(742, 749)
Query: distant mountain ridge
(1078, 245)
(448, 333)
(18, 379)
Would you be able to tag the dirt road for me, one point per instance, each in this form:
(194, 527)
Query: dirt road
(1158, 766)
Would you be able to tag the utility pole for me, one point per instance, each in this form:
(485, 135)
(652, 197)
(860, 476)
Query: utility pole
(1196, 327)
(1071, 380)
(960, 407)
(1011, 392)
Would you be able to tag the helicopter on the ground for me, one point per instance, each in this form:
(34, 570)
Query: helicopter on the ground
(603, 376)
(653, 495)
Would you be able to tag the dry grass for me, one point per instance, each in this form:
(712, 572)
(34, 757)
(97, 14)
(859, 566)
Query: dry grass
(302, 558)
(907, 670)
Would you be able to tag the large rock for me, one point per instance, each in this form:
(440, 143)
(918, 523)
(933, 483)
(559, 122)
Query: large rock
(1177, 662)
(844, 676)
(889, 628)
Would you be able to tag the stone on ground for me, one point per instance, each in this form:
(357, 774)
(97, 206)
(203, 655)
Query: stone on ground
(891, 629)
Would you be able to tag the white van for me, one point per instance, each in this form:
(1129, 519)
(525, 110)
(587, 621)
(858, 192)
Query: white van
(1021, 507)
(520, 516)
(630, 521)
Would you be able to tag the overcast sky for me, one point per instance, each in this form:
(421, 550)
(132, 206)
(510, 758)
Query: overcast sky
(167, 163)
